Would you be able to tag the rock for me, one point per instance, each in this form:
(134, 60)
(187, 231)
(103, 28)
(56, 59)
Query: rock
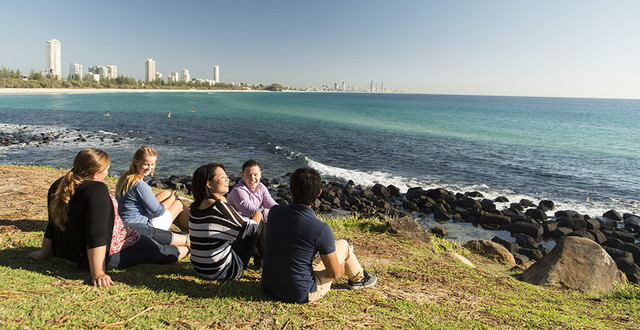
(525, 240)
(549, 227)
(501, 199)
(381, 191)
(593, 224)
(474, 194)
(623, 236)
(487, 205)
(536, 214)
(531, 229)
(526, 203)
(613, 215)
(617, 253)
(510, 246)
(561, 231)
(439, 231)
(631, 248)
(631, 270)
(632, 223)
(546, 205)
(576, 263)
(440, 213)
(521, 259)
(573, 223)
(517, 207)
(494, 219)
(598, 236)
(491, 249)
(462, 259)
(393, 190)
(415, 193)
(437, 193)
(534, 254)
(582, 233)
(407, 227)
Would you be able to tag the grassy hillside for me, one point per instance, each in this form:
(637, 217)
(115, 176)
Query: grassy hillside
(419, 286)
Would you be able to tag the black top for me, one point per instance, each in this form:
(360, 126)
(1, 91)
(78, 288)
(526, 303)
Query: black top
(89, 224)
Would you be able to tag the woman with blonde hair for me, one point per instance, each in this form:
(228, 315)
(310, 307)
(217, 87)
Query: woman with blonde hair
(84, 227)
(151, 214)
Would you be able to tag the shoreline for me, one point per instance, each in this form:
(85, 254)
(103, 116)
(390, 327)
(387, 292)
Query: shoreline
(44, 91)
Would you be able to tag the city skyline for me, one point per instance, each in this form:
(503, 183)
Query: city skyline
(546, 48)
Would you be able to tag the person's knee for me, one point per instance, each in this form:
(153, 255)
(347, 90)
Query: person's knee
(342, 244)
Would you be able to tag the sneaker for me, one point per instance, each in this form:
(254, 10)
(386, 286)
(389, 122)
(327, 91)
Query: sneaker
(367, 281)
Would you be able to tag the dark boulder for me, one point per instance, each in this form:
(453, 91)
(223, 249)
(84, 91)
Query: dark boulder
(393, 190)
(494, 219)
(546, 205)
(598, 236)
(568, 214)
(576, 263)
(415, 192)
(549, 227)
(634, 249)
(631, 270)
(632, 223)
(526, 203)
(530, 229)
(510, 246)
(617, 253)
(440, 213)
(439, 231)
(613, 215)
(531, 253)
(623, 236)
(501, 199)
(381, 191)
(521, 259)
(561, 231)
(573, 223)
(592, 224)
(487, 205)
(525, 241)
(517, 207)
(437, 193)
(536, 214)
(474, 194)
(582, 233)
(613, 242)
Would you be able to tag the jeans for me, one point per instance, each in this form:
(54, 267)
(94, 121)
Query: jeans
(163, 237)
(145, 251)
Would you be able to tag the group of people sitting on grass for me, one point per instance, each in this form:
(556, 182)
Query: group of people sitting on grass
(296, 251)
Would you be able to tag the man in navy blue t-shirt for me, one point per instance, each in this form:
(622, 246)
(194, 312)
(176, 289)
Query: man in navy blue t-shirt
(301, 256)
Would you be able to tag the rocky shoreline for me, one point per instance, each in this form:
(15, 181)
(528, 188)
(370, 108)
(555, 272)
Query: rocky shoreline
(528, 222)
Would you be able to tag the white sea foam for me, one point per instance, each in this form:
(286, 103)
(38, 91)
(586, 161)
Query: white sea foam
(593, 208)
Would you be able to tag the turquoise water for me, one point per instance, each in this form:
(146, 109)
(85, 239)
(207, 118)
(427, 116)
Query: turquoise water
(581, 153)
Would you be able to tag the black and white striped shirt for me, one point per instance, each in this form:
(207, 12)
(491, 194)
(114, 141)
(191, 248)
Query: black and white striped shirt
(212, 232)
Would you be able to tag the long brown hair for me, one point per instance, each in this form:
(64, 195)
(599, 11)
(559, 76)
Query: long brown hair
(88, 162)
(131, 176)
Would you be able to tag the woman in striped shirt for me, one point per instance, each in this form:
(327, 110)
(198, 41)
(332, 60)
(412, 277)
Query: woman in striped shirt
(221, 240)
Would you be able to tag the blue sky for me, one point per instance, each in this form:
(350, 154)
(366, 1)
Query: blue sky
(537, 48)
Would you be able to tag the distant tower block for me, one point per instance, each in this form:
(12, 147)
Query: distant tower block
(54, 58)
(149, 70)
(216, 74)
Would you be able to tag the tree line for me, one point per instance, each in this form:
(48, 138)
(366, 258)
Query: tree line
(16, 79)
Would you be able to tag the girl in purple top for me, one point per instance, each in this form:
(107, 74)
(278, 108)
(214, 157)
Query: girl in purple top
(250, 196)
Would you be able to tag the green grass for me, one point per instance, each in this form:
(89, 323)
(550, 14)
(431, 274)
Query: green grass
(419, 287)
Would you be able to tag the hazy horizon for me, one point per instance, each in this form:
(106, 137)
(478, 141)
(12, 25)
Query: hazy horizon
(503, 48)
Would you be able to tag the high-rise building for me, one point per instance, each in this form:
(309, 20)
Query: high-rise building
(54, 59)
(112, 70)
(216, 74)
(75, 71)
(158, 76)
(185, 75)
(149, 70)
(172, 78)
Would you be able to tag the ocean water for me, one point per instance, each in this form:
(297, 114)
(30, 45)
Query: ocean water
(581, 153)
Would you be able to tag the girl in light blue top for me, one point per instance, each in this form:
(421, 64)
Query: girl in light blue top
(139, 207)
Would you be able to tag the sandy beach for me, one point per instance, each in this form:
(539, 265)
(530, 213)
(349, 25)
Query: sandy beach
(9, 91)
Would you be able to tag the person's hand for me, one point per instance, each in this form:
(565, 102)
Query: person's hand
(101, 281)
(257, 216)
